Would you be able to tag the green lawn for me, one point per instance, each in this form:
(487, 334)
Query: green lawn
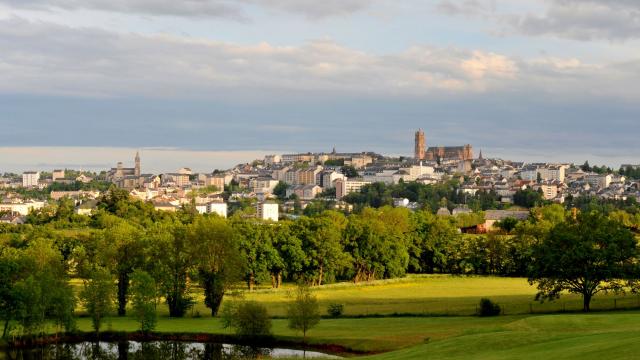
(574, 336)
(518, 335)
(560, 336)
(438, 295)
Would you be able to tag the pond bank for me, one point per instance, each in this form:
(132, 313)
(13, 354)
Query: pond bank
(116, 336)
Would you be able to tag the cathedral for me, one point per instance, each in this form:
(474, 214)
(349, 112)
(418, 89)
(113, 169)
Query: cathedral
(440, 153)
(119, 173)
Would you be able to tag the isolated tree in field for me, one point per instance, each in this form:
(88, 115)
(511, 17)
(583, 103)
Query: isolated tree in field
(303, 311)
(143, 299)
(217, 256)
(585, 256)
(97, 296)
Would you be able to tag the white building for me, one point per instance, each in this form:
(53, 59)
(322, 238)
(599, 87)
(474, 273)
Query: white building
(328, 179)
(30, 178)
(549, 191)
(347, 186)
(57, 174)
(272, 159)
(530, 174)
(263, 185)
(23, 208)
(555, 172)
(267, 211)
(598, 181)
(219, 208)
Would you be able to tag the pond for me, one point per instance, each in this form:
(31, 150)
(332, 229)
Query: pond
(174, 350)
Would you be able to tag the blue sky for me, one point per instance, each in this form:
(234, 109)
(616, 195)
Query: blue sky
(531, 80)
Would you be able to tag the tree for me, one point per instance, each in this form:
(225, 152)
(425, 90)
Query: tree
(321, 238)
(122, 251)
(97, 296)
(280, 191)
(507, 224)
(173, 262)
(143, 299)
(254, 239)
(42, 290)
(585, 256)
(377, 249)
(527, 198)
(349, 171)
(303, 311)
(9, 274)
(430, 241)
(217, 256)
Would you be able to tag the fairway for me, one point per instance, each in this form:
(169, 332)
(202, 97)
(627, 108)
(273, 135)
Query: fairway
(593, 336)
(438, 295)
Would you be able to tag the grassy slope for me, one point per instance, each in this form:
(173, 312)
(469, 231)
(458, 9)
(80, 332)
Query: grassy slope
(614, 336)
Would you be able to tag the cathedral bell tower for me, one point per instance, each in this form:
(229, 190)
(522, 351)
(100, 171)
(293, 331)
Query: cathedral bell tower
(137, 168)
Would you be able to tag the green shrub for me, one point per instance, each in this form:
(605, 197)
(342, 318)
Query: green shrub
(247, 318)
(488, 308)
(335, 309)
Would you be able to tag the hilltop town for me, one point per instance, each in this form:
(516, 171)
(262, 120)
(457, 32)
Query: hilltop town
(288, 185)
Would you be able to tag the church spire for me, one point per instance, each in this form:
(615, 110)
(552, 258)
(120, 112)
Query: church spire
(137, 168)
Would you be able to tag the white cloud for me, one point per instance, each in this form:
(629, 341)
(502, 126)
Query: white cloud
(53, 59)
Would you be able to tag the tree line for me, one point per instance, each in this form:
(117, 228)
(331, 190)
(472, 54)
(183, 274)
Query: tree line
(137, 254)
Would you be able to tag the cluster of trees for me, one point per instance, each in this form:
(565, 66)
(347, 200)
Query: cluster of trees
(129, 253)
(596, 169)
(632, 172)
(430, 197)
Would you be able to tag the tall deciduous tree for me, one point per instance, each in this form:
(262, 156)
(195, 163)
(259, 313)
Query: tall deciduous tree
(143, 298)
(173, 262)
(588, 255)
(97, 296)
(218, 258)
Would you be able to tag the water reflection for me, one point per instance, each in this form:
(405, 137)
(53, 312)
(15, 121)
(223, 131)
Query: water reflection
(174, 350)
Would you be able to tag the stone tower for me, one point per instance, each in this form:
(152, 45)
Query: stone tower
(137, 168)
(420, 145)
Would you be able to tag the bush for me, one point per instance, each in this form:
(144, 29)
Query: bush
(335, 310)
(247, 318)
(488, 308)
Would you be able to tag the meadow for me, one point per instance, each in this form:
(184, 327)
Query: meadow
(434, 295)
(442, 325)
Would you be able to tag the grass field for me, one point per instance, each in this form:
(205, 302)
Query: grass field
(424, 295)
(517, 335)
(567, 336)
(438, 295)
(615, 335)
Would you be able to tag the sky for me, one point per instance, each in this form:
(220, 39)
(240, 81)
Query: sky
(87, 82)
